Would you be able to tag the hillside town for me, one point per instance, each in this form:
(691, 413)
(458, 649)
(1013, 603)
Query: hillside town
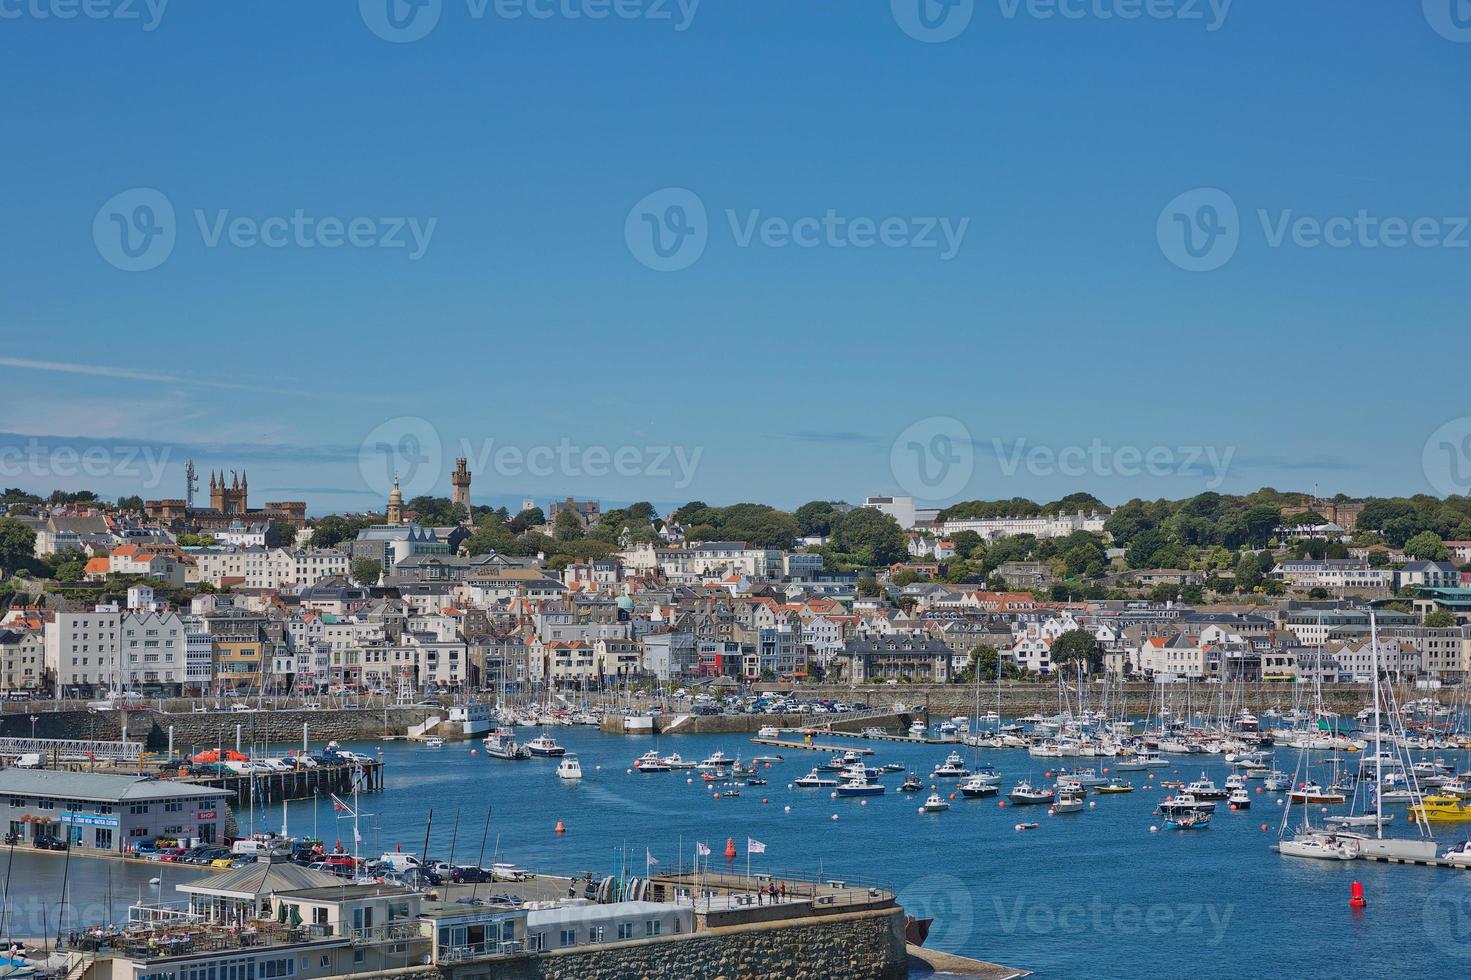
(439, 596)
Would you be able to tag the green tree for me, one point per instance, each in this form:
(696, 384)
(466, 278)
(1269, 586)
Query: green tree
(69, 571)
(365, 571)
(333, 530)
(567, 526)
(1077, 646)
(1440, 619)
(281, 534)
(816, 517)
(871, 535)
(134, 503)
(17, 545)
(1248, 572)
(1427, 546)
(1145, 551)
(868, 586)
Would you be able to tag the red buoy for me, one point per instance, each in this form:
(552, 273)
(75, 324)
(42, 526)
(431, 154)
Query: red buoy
(730, 851)
(1356, 895)
(561, 828)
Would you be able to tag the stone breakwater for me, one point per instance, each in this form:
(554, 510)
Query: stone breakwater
(867, 945)
(945, 700)
(206, 729)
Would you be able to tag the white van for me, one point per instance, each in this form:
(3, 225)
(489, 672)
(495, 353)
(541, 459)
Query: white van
(31, 760)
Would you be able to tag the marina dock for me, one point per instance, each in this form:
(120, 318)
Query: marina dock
(808, 746)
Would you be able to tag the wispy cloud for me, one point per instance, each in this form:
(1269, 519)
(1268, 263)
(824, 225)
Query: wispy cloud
(832, 437)
(132, 374)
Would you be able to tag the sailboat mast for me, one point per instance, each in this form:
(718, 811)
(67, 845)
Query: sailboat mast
(1378, 728)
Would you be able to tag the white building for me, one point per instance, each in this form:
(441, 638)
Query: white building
(82, 651)
(153, 648)
(1053, 526)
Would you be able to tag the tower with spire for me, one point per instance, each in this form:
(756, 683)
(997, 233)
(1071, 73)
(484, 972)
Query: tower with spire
(460, 481)
(395, 504)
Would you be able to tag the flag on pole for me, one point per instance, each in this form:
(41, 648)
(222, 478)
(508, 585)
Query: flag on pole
(703, 850)
(338, 805)
(754, 846)
(649, 857)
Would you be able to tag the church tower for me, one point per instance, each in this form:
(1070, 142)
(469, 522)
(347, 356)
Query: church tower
(460, 480)
(395, 504)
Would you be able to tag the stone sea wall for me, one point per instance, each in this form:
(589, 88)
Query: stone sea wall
(216, 727)
(859, 946)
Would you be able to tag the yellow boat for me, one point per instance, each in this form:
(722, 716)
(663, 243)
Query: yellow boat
(1114, 787)
(1444, 809)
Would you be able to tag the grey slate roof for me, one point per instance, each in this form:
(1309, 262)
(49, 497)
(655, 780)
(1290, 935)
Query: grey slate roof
(262, 878)
(101, 787)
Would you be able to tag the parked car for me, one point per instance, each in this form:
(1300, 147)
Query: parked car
(471, 874)
(48, 843)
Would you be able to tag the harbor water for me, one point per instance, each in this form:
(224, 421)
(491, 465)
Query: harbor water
(1092, 894)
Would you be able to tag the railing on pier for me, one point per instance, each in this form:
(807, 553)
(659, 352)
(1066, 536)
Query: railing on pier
(72, 749)
(161, 914)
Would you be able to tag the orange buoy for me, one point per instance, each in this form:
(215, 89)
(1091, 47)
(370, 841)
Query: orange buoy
(1356, 895)
(1001, 804)
(730, 851)
(561, 828)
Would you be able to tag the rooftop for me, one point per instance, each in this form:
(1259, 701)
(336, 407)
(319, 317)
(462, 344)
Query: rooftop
(101, 787)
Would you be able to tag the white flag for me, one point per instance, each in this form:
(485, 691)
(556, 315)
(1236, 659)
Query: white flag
(649, 857)
(755, 846)
(702, 850)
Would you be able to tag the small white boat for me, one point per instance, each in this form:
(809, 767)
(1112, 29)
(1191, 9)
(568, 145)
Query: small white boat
(952, 768)
(1364, 820)
(650, 762)
(1239, 799)
(434, 742)
(1276, 782)
(935, 804)
(978, 786)
(1314, 793)
(859, 785)
(569, 768)
(673, 761)
(1068, 802)
(1460, 854)
(1025, 794)
(717, 760)
(769, 732)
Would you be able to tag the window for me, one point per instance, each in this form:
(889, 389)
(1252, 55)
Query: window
(625, 930)
(651, 927)
(569, 937)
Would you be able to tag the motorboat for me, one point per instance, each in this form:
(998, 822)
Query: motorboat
(911, 784)
(434, 742)
(502, 744)
(569, 767)
(1441, 809)
(1239, 799)
(1459, 855)
(673, 761)
(769, 732)
(1114, 785)
(1276, 781)
(859, 785)
(917, 730)
(978, 786)
(952, 768)
(935, 804)
(893, 767)
(1086, 777)
(1311, 792)
(1318, 844)
(815, 780)
(717, 760)
(1068, 802)
(1185, 803)
(546, 747)
(650, 762)
(755, 781)
(1189, 821)
(1025, 794)
(1206, 789)
(1140, 761)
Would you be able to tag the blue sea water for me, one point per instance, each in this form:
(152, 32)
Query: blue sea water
(1094, 894)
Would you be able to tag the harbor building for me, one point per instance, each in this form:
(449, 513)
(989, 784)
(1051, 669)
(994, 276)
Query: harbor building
(101, 812)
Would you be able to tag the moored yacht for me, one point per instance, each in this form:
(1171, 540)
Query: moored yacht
(859, 785)
(1311, 792)
(502, 744)
(650, 762)
(1318, 844)
(815, 780)
(935, 804)
(978, 786)
(1068, 801)
(952, 768)
(1205, 788)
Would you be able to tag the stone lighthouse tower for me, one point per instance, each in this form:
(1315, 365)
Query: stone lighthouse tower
(460, 480)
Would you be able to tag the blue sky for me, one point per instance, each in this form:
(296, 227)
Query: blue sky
(527, 315)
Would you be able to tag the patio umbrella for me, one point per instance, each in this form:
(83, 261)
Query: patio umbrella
(281, 912)
(295, 917)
